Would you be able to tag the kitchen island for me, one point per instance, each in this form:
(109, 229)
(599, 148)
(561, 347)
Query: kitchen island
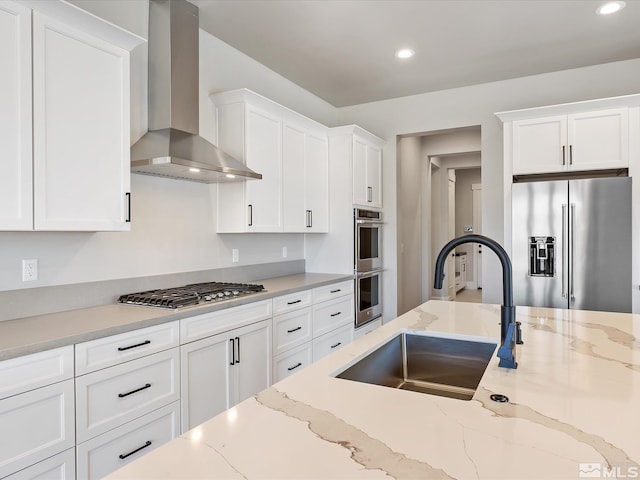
(572, 411)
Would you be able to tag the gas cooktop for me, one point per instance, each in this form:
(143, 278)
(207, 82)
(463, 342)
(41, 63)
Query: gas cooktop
(188, 295)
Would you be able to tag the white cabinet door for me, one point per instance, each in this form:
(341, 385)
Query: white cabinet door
(80, 130)
(36, 425)
(252, 372)
(539, 145)
(16, 209)
(205, 379)
(316, 183)
(374, 176)
(599, 140)
(220, 371)
(359, 172)
(293, 174)
(263, 155)
(59, 467)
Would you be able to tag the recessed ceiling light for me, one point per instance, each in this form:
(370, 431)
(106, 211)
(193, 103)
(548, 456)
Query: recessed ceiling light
(194, 170)
(610, 7)
(405, 53)
(230, 175)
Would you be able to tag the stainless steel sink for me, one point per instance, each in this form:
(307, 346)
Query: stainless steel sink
(449, 367)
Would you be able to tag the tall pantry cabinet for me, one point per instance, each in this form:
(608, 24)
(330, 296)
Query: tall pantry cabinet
(66, 92)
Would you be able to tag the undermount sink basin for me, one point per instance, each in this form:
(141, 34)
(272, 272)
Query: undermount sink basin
(437, 365)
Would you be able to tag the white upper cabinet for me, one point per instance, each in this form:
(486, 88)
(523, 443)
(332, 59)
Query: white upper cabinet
(367, 173)
(590, 140)
(305, 157)
(80, 131)
(64, 112)
(15, 118)
(291, 153)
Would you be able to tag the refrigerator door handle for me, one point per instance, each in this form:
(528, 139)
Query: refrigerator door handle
(572, 248)
(564, 249)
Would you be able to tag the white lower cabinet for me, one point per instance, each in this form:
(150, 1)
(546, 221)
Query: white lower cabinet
(316, 323)
(114, 449)
(222, 370)
(292, 361)
(59, 467)
(113, 396)
(332, 341)
(35, 425)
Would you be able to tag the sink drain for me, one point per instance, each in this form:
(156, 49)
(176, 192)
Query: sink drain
(498, 397)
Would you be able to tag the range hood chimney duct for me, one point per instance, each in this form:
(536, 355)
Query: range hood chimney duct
(172, 147)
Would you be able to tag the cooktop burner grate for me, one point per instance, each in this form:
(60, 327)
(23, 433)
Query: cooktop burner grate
(190, 294)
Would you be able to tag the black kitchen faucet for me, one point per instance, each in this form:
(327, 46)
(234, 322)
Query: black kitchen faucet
(510, 333)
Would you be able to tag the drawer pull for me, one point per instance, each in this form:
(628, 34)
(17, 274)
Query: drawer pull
(294, 329)
(125, 455)
(121, 395)
(336, 345)
(336, 291)
(294, 302)
(335, 314)
(122, 349)
(295, 366)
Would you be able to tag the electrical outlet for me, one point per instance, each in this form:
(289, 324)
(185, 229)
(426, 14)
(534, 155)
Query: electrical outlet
(235, 255)
(284, 252)
(29, 270)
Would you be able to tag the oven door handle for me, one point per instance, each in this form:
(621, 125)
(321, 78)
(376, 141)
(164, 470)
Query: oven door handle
(369, 223)
(370, 273)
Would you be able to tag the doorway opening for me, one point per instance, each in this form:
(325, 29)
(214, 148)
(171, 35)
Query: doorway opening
(439, 180)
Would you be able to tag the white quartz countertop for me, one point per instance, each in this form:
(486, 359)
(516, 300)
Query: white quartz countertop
(574, 407)
(43, 332)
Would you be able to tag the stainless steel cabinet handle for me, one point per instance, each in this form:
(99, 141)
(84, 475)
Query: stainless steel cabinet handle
(309, 214)
(125, 455)
(563, 155)
(573, 236)
(295, 366)
(122, 349)
(294, 329)
(565, 262)
(369, 194)
(128, 195)
(122, 395)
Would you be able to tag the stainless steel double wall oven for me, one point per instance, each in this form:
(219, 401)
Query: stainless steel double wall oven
(367, 255)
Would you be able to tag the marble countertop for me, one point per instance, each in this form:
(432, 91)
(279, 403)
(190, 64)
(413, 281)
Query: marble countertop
(574, 407)
(43, 332)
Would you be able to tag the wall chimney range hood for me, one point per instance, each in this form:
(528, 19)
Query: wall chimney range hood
(172, 147)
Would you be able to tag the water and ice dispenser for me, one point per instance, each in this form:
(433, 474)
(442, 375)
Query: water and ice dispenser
(542, 256)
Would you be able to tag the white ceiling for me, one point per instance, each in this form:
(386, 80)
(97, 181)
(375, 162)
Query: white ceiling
(343, 50)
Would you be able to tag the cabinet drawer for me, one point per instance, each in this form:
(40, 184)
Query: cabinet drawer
(104, 454)
(20, 374)
(291, 329)
(108, 351)
(201, 326)
(58, 467)
(293, 301)
(292, 361)
(321, 294)
(329, 315)
(35, 425)
(110, 397)
(331, 342)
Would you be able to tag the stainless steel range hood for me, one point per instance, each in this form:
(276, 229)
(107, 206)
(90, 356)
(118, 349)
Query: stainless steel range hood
(172, 147)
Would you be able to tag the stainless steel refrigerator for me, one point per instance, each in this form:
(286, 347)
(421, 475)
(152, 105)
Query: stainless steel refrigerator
(571, 244)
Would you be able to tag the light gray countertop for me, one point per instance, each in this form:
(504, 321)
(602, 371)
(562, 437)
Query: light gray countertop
(43, 332)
